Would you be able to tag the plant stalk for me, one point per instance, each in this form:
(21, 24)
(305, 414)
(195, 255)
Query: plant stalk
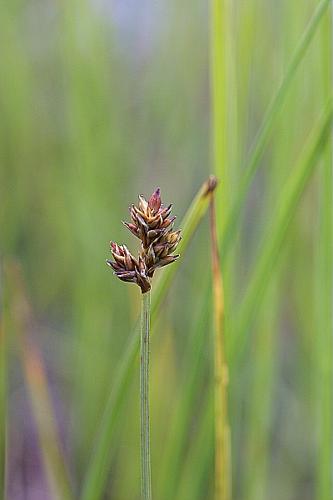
(144, 399)
(222, 428)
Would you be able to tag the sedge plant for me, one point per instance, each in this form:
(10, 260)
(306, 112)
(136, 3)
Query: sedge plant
(153, 225)
(96, 474)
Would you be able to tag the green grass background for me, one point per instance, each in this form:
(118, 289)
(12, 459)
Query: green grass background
(102, 101)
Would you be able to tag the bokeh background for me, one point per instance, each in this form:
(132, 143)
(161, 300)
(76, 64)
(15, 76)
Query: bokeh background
(104, 99)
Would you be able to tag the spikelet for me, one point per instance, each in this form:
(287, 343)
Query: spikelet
(152, 223)
(127, 267)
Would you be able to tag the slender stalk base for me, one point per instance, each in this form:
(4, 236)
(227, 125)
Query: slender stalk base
(144, 399)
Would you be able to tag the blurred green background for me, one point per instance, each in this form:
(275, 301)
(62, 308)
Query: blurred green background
(103, 100)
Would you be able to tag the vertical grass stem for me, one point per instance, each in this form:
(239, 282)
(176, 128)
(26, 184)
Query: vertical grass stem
(144, 399)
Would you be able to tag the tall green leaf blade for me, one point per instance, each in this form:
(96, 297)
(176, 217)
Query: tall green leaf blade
(268, 123)
(3, 407)
(324, 295)
(273, 242)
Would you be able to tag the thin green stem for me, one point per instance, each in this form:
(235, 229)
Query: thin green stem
(144, 399)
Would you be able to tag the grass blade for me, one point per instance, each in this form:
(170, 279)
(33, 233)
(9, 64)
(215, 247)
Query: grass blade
(36, 380)
(268, 123)
(323, 340)
(189, 224)
(199, 455)
(37, 384)
(272, 244)
(3, 397)
(258, 420)
(324, 294)
(220, 89)
(193, 375)
(97, 472)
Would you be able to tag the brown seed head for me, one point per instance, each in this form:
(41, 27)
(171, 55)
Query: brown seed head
(149, 219)
(127, 267)
(152, 224)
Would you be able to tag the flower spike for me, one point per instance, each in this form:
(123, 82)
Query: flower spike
(152, 224)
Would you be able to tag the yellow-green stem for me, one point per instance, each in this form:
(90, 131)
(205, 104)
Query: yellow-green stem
(222, 429)
(144, 399)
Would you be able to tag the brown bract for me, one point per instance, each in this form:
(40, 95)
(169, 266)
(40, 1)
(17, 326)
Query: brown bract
(127, 267)
(153, 225)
